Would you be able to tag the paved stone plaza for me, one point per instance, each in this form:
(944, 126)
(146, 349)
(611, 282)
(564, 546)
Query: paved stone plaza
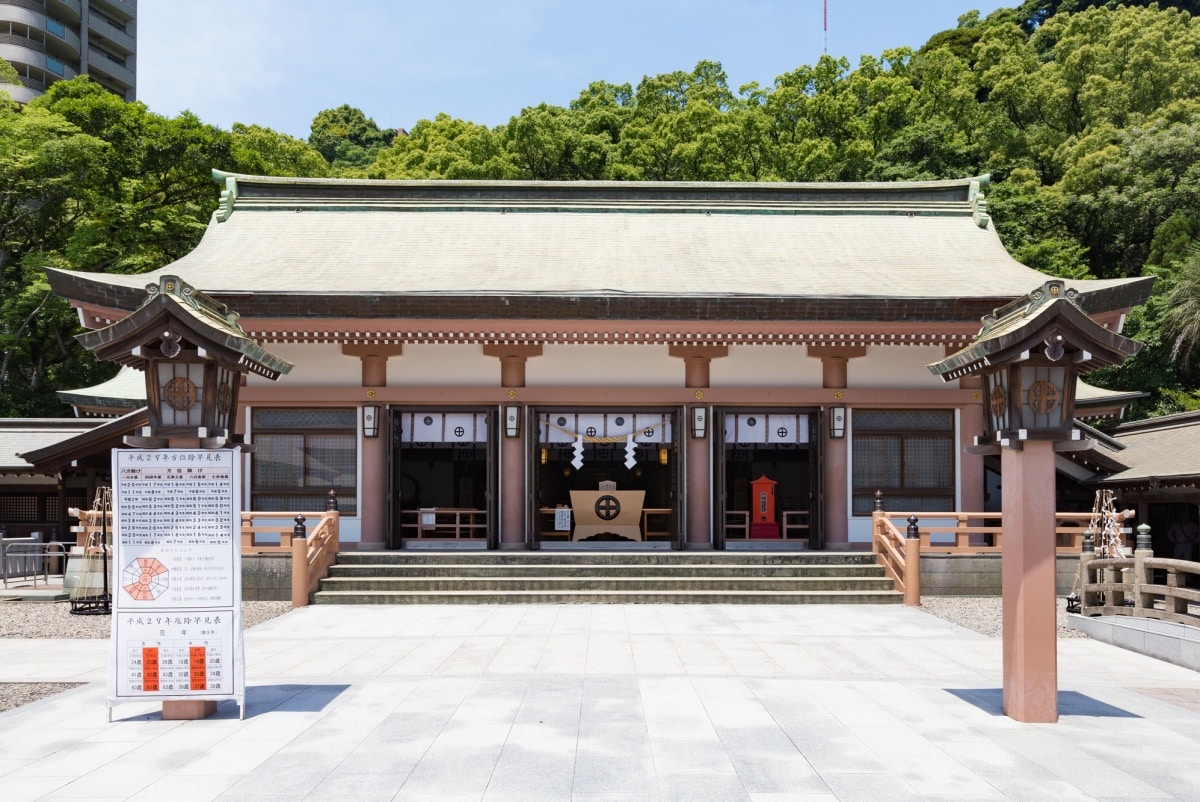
(620, 702)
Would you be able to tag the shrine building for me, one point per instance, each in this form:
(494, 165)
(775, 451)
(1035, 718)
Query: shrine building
(518, 364)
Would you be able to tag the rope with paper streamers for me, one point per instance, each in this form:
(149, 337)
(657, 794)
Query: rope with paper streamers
(608, 439)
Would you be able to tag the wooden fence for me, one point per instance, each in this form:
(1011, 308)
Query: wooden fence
(899, 539)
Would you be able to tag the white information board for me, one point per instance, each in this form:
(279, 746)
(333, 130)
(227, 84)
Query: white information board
(177, 576)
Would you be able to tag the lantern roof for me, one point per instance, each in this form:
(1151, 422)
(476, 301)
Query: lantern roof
(176, 307)
(1048, 320)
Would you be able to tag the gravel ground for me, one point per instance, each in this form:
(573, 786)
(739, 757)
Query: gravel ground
(982, 614)
(54, 620)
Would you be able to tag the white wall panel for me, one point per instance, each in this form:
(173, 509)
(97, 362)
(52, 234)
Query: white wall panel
(604, 365)
(443, 365)
(766, 366)
(899, 366)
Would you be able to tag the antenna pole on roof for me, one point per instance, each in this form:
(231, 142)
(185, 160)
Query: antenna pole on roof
(825, 44)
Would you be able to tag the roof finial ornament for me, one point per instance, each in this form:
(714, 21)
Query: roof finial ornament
(228, 196)
(979, 210)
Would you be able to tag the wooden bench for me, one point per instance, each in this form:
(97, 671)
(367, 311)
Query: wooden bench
(795, 521)
(433, 522)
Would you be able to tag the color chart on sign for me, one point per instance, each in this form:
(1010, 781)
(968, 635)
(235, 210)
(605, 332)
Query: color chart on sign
(174, 655)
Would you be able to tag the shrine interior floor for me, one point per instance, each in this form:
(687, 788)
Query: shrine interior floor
(619, 702)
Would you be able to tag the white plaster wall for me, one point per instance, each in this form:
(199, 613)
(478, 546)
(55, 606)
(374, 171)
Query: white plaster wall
(595, 365)
(314, 365)
(901, 366)
(765, 366)
(443, 365)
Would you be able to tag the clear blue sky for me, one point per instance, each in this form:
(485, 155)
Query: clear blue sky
(278, 62)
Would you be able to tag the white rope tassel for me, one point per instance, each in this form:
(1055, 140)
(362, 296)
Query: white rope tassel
(630, 452)
(577, 463)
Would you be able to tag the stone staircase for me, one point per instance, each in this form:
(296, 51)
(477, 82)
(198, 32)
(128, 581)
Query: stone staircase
(425, 577)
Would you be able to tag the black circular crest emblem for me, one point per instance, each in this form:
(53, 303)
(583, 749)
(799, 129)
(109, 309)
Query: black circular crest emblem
(608, 507)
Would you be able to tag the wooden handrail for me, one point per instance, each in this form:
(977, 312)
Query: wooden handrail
(312, 555)
(900, 557)
(983, 532)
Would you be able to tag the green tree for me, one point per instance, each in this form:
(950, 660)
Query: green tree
(88, 182)
(261, 151)
(347, 138)
(550, 143)
(50, 175)
(444, 147)
(8, 73)
(1183, 315)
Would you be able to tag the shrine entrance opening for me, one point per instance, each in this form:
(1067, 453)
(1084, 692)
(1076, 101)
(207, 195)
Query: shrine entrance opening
(442, 478)
(782, 445)
(606, 476)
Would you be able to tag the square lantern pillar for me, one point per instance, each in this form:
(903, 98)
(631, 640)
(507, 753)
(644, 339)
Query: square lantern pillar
(1030, 354)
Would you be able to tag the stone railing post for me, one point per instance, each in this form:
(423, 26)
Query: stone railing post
(1141, 572)
(912, 563)
(299, 564)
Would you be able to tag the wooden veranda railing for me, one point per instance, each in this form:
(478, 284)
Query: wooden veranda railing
(899, 539)
(313, 552)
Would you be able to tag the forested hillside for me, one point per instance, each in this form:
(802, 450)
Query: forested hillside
(1086, 116)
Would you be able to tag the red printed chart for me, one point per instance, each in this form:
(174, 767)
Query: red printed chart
(145, 579)
(174, 667)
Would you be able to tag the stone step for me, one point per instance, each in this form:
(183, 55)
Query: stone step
(610, 597)
(609, 576)
(657, 557)
(612, 584)
(590, 570)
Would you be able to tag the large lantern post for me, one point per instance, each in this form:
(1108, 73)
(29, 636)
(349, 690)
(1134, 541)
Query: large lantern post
(1030, 354)
(184, 550)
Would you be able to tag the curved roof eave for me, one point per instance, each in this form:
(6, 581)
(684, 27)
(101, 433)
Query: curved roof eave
(288, 239)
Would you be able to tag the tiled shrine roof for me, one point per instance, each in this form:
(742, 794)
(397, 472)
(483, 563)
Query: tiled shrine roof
(356, 249)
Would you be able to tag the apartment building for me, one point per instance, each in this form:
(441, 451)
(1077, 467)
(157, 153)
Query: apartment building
(52, 40)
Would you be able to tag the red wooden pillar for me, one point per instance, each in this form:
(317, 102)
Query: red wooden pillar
(1027, 579)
